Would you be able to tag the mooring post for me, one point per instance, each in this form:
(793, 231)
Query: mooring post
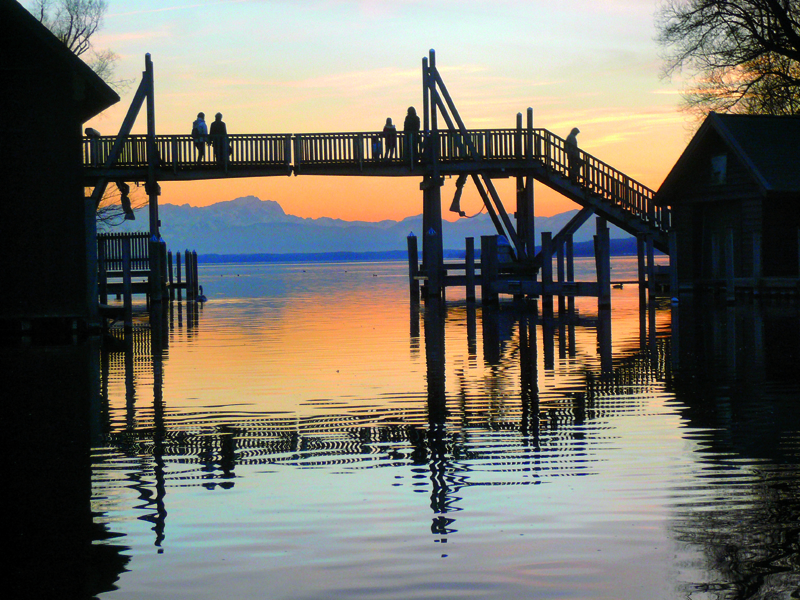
(188, 269)
(570, 249)
(651, 269)
(154, 283)
(560, 277)
(169, 275)
(195, 275)
(488, 269)
(127, 288)
(641, 270)
(103, 273)
(469, 266)
(178, 274)
(413, 267)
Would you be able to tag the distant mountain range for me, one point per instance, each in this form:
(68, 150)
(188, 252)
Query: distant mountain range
(250, 225)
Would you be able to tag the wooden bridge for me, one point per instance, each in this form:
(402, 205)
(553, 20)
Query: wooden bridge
(526, 153)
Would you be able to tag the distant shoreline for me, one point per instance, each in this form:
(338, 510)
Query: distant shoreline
(619, 247)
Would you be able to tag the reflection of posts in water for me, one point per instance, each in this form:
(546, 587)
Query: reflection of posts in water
(435, 359)
(490, 327)
(548, 337)
(604, 341)
(413, 326)
(438, 463)
(529, 379)
(472, 333)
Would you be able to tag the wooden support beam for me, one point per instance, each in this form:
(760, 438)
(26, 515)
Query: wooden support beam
(489, 269)
(470, 269)
(413, 267)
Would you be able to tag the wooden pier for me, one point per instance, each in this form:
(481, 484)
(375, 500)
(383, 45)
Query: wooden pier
(441, 150)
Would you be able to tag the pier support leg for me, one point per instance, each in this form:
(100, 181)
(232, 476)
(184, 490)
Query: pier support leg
(673, 264)
(730, 282)
(488, 268)
(570, 251)
(470, 269)
(432, 252)
(602, 257)
(547, 273)
(413, 267)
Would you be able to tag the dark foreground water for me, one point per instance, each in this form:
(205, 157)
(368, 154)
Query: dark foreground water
(309, 433)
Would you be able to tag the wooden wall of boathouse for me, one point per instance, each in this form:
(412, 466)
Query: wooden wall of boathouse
(47, 240)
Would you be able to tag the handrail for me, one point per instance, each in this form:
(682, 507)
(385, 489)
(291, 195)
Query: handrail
(488, 146)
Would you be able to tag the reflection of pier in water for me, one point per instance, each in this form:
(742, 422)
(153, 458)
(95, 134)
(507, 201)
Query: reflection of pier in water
(440, 439)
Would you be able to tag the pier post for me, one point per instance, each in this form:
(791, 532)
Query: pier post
(570, 249)
(413, 267)
(469, 266)
(169, 275)
(154, 280)
(651, 269)
(195, 275)
(188, 269)
(178, 274)
(602, 257)
(488, 269)
(641, 270)
(432, 253)
(547, 268)
(102, 275)
(562, 305)
(127, 288)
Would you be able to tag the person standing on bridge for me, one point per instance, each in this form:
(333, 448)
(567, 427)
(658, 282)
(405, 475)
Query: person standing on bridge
(390, 135)
(219, 139)
(573, 154)
(200, 136)
(411, 131)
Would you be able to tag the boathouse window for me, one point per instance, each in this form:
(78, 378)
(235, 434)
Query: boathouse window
(719, 168)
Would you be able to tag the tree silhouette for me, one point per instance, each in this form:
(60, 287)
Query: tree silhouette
(742, 56)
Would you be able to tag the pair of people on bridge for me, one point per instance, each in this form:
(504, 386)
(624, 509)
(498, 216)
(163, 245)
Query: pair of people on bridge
(216, 136)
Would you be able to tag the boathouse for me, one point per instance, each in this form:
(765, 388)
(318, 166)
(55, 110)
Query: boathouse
(48, 232)
(735, 200)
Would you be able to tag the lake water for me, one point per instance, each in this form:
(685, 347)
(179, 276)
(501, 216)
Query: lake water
(310, 433)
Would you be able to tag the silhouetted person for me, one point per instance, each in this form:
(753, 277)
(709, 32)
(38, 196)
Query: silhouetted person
(200, 136)
(390, 135)
(573, 154)
(219, 139)
(411, 131)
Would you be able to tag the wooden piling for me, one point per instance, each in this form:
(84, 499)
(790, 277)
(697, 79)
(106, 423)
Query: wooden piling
(178, 274)
(651, 269)
(673, 264)
(641, 270)
(195, 275)
(730, 282)
(169, 275)
(488, 269)
(127, 288)
(413, 267)
(189, 272)
(102, 282)
(603, 264)
(469, 258)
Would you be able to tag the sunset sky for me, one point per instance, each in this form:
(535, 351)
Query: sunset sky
(311, 66)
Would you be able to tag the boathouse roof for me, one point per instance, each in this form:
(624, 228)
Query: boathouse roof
(768, 147)
(28, 45)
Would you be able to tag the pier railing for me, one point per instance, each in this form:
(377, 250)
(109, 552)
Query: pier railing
(179, 152)
(512, 149)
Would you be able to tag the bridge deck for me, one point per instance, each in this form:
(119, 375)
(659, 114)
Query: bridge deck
(492, 152)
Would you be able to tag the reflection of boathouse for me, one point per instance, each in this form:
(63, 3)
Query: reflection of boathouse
(735, 199)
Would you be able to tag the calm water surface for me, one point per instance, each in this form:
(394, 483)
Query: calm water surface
(308, 433)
